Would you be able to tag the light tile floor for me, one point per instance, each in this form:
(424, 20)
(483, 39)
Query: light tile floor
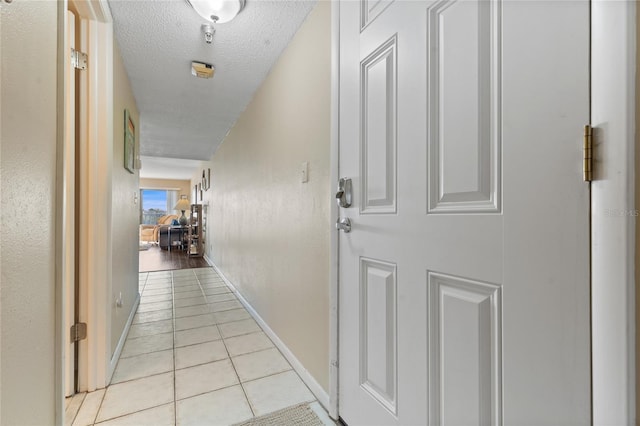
(193, 356)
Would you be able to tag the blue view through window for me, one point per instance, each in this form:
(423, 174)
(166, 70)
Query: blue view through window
(154, 205)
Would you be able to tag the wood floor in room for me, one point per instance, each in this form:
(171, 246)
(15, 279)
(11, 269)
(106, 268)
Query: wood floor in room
(156, 259)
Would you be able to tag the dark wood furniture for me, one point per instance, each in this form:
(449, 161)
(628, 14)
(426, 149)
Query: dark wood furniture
(195, 240)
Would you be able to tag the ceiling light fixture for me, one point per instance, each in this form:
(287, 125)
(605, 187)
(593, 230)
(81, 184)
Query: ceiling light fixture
(217, 11)
(208, 31)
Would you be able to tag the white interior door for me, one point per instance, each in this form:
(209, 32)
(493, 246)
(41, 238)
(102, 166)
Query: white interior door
(464, 282)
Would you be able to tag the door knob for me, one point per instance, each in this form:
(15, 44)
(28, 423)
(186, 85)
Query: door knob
(344, 224)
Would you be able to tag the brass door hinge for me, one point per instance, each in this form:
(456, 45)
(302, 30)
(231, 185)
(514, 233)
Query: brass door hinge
(587, 154)
(78, 332)
(78, 59)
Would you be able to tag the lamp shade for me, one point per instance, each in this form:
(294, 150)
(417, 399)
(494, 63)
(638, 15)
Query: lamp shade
(217, 11)
(182, 204)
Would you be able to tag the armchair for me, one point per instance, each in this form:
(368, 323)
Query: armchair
(151, 233)
(146, 233)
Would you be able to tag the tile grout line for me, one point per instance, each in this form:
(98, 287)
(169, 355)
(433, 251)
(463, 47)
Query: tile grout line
(95, 418)
(173, 317)
(244, 392)
(119, 416)
(262, 350)
(269, 375)
(143, 377)
(207, 392)
(75, 416)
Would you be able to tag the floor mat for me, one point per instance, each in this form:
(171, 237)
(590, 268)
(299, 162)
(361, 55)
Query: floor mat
(301, 415)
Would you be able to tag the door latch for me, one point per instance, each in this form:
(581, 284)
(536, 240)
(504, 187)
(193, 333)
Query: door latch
(343, 196)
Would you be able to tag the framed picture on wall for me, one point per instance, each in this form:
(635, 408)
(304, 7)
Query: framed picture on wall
(206, 179)
(129, 142)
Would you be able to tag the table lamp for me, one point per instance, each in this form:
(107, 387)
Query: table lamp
(182, 205)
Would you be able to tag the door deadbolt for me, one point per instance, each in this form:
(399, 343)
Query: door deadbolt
(344, 224)
(343, 196)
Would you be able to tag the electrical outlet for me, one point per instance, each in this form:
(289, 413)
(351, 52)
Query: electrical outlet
(304, 172)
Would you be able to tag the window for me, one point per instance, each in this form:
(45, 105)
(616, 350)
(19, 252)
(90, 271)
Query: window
(156, 203)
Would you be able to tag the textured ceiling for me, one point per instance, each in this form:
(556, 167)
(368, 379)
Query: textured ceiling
(182, 116)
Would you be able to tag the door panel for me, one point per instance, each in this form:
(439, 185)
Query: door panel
(378, 360)
(464, 106)
(378, 133)
(464, 282)
(465, 348)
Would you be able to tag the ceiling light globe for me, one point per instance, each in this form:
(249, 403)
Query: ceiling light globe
(217, 11)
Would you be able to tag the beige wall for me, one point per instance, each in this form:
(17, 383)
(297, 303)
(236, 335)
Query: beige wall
(28, 175)
(268, 232)
(125, 207)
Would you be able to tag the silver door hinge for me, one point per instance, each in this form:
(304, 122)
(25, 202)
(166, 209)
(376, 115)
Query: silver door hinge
(78, 332)
(587, 154)
(78, 59)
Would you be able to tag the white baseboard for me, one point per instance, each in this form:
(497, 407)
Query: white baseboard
(123, 337)
(307, 378)
(208, 260)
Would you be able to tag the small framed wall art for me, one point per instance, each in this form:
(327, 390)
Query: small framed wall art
(206, 179)
(129, 142)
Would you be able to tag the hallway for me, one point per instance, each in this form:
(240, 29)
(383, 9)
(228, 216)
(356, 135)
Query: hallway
(193, 356)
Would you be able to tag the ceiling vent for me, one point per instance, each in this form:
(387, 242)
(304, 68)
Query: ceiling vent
(202, 70)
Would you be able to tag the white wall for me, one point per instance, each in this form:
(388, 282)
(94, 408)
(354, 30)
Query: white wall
(267, 231)
(28, 51)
